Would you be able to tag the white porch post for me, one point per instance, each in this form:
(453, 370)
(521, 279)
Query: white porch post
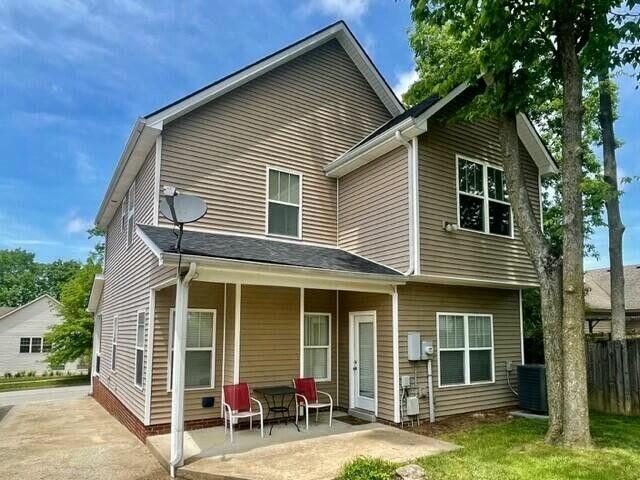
(177, 386)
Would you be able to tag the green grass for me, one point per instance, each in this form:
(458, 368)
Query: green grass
(515, 450)
(26, 383)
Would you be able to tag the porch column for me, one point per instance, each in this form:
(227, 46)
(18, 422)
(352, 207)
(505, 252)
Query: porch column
(177, 386)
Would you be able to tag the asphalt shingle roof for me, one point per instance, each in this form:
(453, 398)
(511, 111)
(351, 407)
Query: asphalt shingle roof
(233, 247)
(598, 288)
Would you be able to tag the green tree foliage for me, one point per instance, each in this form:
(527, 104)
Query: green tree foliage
(22, 279)
(72, 339)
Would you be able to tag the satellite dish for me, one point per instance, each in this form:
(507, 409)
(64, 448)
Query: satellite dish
(182, 209)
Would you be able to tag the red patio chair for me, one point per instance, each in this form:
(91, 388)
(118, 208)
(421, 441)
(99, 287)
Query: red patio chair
(237, 404)
(307, 396)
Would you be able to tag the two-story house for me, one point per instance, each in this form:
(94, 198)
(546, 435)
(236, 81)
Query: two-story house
(338, 222)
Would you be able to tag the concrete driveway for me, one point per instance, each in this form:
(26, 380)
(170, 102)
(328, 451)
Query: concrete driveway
(21, 397)
(70, 439)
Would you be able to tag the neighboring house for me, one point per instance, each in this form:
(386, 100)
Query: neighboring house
(598, 299)
(331, 233)
(22, 330)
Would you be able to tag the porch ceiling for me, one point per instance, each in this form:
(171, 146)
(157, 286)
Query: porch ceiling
(263, 251)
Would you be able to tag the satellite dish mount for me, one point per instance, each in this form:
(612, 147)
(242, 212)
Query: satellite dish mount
(181, 209)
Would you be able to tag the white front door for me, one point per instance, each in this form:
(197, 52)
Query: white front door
(363, 360)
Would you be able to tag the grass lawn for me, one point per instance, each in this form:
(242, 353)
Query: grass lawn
(26, 383)
(514, 449)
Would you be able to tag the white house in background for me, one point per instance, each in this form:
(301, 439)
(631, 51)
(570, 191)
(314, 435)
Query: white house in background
(22, 330)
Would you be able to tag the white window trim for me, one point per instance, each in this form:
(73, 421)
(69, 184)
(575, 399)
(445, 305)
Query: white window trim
(213, 349)
(268, 200)
(485, 198)
(466, 349)
(97, 326)
(131, 210)
(328, 347)
(114, 343)
(142, 349)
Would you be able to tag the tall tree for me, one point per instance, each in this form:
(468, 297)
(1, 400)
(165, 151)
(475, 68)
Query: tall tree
(614, 219)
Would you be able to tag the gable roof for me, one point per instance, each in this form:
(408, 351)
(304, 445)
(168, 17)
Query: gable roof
(148, 128)
(598, 288)
(46, 296)
(414, 121)
(239, 248)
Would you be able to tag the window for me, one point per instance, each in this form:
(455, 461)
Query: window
(483, 203)
(465, 349)
(98, 335)
(131, 204)
(36, 344)
(114, 343)
(140, 347)
(25, 344)
(284, 199)
(316, 346)
(199, 370)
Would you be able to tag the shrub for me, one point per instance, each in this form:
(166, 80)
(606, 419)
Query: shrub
(32, 373)
(365, 468)
(8, 375)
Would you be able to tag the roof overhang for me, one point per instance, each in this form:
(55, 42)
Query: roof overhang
(388, 140)
(509, 284)
(254, 273)
(140, 142)
(96, 293)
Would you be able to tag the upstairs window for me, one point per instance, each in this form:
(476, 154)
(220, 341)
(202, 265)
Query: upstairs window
(483, 203)
(284, 198)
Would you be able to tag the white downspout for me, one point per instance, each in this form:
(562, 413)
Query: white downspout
(410, 182)
(415, 199)
(177, 393)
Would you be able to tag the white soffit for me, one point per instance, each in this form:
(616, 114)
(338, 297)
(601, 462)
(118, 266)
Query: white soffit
(96, 293)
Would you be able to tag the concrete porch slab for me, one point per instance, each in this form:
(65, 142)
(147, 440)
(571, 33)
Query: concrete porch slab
(316, 454)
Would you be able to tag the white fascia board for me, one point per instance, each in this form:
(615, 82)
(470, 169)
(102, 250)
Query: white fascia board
(533, 143)
(96, 293)
(255, 273)
(374, 148)
(338, 31)
(141, 140)
(149, 243)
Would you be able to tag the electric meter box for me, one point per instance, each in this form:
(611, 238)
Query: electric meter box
(414, 352)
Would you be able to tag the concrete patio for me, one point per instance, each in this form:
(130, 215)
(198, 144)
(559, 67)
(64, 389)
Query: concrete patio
(316, 454)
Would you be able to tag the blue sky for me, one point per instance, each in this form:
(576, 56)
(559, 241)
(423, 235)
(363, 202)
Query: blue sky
(74, 76)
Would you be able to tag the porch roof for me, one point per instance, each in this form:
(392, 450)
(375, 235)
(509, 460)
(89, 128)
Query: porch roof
(260, 250)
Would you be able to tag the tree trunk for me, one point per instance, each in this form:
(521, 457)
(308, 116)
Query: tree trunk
(548, 269)
(575, 431)
(616, 228)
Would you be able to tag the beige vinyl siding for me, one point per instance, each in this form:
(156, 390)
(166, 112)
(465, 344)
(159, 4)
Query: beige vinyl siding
(381, 304)
(373, 210)
(126, 290)
(418, 304)
(201, 295)
(300, 116)
(466, 254)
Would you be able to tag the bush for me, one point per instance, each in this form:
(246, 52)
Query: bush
(32, 373)
(365, 468)
(8, 375)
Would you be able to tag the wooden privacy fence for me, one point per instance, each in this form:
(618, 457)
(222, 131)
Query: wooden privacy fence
(613, 374)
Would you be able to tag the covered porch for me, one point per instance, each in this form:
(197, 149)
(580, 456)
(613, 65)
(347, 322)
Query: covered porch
(325, 314)
(316, 454)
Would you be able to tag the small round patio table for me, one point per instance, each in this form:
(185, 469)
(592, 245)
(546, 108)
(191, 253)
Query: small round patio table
(279, 399)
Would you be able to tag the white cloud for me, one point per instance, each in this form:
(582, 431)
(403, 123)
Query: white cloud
(347, 9)
(403, 81)
(78, 225)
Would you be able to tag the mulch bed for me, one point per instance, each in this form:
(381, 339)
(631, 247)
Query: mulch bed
(456, 423)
